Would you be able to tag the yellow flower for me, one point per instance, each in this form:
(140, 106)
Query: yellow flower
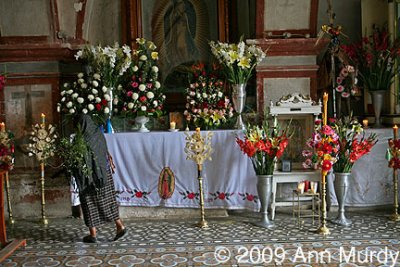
(233, 55)
(140, 41)
(244, 62)
(154, 55)
(151, 45)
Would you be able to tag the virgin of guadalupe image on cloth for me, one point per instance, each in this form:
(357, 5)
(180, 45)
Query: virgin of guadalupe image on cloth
(166, 183)
(180, 30)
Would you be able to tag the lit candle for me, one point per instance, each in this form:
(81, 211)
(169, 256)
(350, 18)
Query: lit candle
(365, 123)
(3, 127)
(395, 129)
(43, 119)
(172, 125)
(325, 100)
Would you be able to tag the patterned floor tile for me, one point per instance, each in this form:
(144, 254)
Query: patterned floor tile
(231, 241)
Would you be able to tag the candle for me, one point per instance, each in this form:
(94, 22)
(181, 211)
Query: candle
(3, 127)
(43, 119)
(172, 125)
(325, 100)
(365, 123)
(395, 129)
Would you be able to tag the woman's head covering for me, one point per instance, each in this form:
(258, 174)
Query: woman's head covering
(96, 158)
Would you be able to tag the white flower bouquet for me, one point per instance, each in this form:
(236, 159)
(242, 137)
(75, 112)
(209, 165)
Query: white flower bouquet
(238, 60)
(111, 62)
(143, 95)
(87, 95)
(42, 142)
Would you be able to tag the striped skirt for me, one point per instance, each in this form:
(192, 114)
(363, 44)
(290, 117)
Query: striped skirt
(100, 207)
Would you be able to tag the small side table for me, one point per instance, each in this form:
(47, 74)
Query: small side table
(306, 198)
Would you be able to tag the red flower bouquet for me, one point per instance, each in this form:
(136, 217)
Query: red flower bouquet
(353, 144)
(394, 153)
(323, 147)
(264, 145)
(374, 58)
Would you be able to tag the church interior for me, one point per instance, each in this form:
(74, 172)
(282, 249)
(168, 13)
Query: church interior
(199, 133)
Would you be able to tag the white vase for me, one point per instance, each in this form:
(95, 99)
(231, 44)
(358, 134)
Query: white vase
(141, 122)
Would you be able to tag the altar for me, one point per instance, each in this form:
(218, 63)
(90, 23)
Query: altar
(140, 158)
(229, 179)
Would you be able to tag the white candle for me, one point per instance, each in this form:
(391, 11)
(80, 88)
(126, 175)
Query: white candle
(172, 125)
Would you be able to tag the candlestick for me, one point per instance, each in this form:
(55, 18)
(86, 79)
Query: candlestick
(3, 127)
(395, 130)
(324, 230)
(325, 115)
(365, 123)
(43, 119)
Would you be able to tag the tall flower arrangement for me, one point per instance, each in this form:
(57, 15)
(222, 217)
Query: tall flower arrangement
(143, 94)
(323, 148)
(87, 95)
(394, 153)
(263, 145)
(206, 105)
(353, 144)
(375, 57)
(111, 62)
(238, 60)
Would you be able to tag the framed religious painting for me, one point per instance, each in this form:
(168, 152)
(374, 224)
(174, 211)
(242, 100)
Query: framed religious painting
(277, 18)
(181, 30)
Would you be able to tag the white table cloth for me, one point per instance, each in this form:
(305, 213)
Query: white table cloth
(229, 179)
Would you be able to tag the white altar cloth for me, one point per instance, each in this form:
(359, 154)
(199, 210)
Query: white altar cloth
(229, 179)
(371, 183)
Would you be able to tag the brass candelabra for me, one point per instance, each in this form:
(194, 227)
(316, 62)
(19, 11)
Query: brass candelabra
(324, 230)
(44, 219)
(10, 216)
(395, 152)
(199, 149)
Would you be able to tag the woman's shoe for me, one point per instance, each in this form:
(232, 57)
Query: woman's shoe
(89, 239)
(120, 234)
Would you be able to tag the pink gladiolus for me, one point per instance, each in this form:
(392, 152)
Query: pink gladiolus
(340, 88)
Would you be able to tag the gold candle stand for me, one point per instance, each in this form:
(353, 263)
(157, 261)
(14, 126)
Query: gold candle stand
(395, 216)
(10, 216)
(44, 219)
(202, 223)
(324, 230)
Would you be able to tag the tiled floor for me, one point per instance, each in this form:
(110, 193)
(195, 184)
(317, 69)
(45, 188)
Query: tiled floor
(231, 241)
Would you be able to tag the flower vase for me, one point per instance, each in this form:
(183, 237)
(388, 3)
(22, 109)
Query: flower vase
(378, 98)
(239, 101)
(341, 185)
(141, 122)
(264, 189)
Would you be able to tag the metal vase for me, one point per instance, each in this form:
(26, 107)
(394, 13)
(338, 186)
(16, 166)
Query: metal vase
(378, 98)
(264, 189)
(239, 101)
(341, 185)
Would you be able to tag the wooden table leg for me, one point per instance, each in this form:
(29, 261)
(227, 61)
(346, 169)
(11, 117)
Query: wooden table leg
(7, 248)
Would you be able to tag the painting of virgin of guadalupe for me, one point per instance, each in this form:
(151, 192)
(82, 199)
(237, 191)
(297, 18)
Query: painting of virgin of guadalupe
(180, 30)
